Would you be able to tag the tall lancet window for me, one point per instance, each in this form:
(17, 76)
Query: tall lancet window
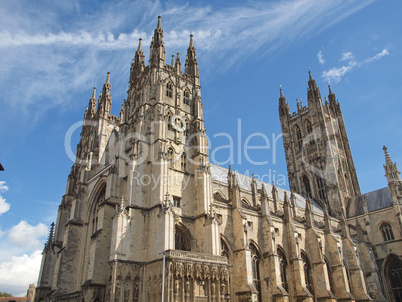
(255, 265)
(183, 162)
(169, 90)
(309, 129)
(307, 187)
(321, 189)
(282, 269)
(99, 199)
(387, 233)
(308, 276)
(170, 157)
(186, 97)
(298, 137)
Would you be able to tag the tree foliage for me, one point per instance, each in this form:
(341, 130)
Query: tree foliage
(4, 294)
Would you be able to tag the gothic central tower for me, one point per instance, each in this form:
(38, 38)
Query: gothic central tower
(318, 156)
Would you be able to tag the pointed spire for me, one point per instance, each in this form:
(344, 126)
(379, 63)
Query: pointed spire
(159, 26)
(388, 160)
(157, 51)
(191, 41)
(172, 63)
(391, 169)
(191, 66)
(139, 45)
(105, 99)
(50, 239)
(91, 108)
(287, 208)
(329, 89)
(283, 104)
(265, 210)
(327, 219)
(313, 93)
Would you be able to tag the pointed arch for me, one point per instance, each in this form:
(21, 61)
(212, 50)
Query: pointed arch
(283, 264)
(329, 274)
(99, 197)
(170, 157)
(183, 162)
(182, 238)
(309, 130)
(225, 248)
(169, 89)
(392, 272)
(386, 230)
(308, 274)
(186, 97)
(169, 121)
(255, 265)
(219, 196)
(298, 137)
(307, 187)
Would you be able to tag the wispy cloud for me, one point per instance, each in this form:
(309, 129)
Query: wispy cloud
(378, 56)
(335, 74)
(46, 59)
(320, 57)
(346, 56)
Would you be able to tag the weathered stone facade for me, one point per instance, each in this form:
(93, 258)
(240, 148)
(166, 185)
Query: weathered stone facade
(146, 215)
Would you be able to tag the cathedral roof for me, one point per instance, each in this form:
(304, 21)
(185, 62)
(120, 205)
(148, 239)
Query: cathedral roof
(375, 200)
(220, 174)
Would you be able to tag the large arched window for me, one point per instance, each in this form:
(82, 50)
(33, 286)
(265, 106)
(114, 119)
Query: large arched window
(169, 90)
(298, 137)
(99, 199)
(255, 265)
(387, 233)
(307, 187)
(393, 276)
(282, 269)
(181, 240)
(308, 275)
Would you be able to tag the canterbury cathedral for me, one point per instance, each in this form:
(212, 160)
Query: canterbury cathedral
(146, 217)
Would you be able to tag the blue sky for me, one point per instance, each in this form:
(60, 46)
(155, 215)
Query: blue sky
(53, 52)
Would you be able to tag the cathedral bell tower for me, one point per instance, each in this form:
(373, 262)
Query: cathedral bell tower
(318, 156)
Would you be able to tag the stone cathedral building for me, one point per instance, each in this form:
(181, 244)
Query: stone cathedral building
(146, 217)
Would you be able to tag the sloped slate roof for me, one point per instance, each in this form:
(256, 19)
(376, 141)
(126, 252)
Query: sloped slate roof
(221, 174)
(375, 200)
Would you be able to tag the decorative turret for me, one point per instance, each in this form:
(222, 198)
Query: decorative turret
(157, 51)
(91, 108)
(105, 99)
(283, 105)
(313, 93)
(191, 66)
(391, 170)
(138, 65)
(50, 239)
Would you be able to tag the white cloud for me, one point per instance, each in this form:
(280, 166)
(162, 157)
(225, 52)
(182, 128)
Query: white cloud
(3, 187)
(4, 206)
(26, 235)
(336, 73)
(377, 56)
(17, 273)
(320, 57)
(346, 56)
